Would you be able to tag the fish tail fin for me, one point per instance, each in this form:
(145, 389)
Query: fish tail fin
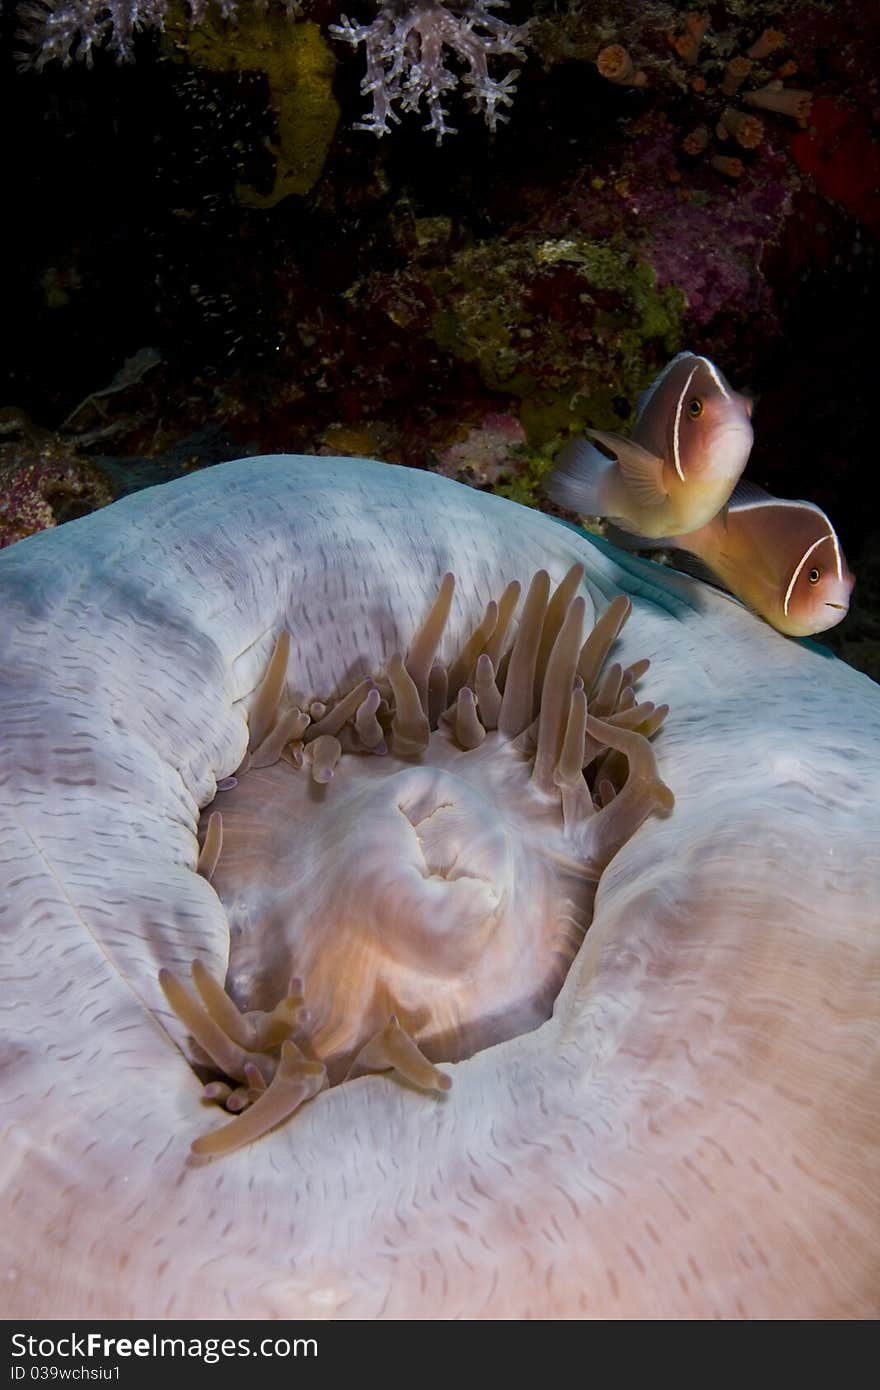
(577, 480)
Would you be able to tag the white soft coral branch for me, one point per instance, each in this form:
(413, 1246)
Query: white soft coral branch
(408, 46)
(68, 30)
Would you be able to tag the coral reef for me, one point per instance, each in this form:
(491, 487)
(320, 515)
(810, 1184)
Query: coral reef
(408, 291)
(840, 152)
(486, 454)
(42, 481)
(710, 244)
(691, 1132)
(699, 64)
(564, 324)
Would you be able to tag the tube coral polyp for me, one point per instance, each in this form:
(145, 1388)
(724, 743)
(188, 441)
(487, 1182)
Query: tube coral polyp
(785, 101)
(747, 131)
(696, 141)
(766, 43)
(735, 74)
(615, 65)
(730, 167)
(687, 45)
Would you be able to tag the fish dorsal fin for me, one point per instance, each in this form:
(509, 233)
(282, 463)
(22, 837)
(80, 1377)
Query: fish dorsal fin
(798, 518)
(748, 494)
(781, 534)
(641, 471)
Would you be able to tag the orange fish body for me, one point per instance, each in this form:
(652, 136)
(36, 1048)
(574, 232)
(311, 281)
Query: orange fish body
(783, 559)
(690, 443)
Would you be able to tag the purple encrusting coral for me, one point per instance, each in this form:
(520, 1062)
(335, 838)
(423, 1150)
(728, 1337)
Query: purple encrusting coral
(706, 239)
(406, 49)
(721, 276)
(43, 481)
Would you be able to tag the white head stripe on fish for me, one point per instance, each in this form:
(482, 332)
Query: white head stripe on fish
(716, 377)
(838, 558)
(803, 560)
(675, 428)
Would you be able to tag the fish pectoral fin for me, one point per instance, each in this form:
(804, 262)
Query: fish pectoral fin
(609, 442)
(687, 563)
(642, 471)
(621, 532)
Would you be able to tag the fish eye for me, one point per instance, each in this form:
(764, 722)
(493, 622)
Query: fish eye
(695, 408)
(814, 575)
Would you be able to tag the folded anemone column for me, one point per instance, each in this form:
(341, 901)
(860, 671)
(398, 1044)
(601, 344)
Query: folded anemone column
(459, 1013)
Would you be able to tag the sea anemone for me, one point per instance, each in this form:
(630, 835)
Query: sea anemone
(448, 880)
(691, 1132)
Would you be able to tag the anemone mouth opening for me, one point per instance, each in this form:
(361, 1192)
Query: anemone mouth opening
(409, 869)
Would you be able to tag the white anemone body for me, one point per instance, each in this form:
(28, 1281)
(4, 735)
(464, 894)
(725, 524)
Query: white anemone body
(693, 1133)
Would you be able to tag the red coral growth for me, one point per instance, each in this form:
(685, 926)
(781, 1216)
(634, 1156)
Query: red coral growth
(842, 158)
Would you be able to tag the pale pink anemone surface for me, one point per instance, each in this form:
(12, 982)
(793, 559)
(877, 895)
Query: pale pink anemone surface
(692, 1132)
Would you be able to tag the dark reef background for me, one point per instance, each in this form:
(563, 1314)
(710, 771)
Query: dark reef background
(206, 259)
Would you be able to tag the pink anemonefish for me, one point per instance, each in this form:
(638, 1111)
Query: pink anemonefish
(783, 559)
(690, 443)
